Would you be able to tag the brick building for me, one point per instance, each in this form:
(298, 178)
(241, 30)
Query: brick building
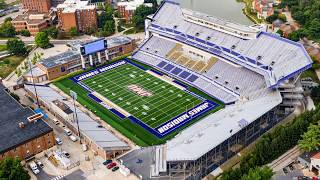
(72, 60)
(32, 21)
(76, 13)
(37, 5)
(23, 133)
(126, 9)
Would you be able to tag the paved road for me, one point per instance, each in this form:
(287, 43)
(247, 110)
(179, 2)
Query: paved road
(4, 41)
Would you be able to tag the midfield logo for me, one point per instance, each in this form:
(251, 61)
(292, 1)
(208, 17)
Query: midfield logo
(139, 91)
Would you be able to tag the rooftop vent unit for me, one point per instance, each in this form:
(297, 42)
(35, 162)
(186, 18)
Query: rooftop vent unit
(35, 117)
(197, 34)
(272, 63)
(175, 27)
(226, 82)
(237, 88)
(233, 46)
(259, 57)
(216, 77)
(208, 38)
(21, 125)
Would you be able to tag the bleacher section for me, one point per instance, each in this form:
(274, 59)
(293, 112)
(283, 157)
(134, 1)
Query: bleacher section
(274, 57)
(219, 78)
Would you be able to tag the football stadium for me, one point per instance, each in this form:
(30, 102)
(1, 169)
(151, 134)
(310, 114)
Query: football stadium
(196, 91)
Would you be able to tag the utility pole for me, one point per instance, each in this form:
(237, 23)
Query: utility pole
(74, 97)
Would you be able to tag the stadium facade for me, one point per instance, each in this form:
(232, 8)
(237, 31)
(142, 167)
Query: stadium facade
(255, 73)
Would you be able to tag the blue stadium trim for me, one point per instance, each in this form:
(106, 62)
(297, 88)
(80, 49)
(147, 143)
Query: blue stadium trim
(181, 84)
(157, 72)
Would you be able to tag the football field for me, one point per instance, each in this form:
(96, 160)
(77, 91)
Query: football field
(144, 96)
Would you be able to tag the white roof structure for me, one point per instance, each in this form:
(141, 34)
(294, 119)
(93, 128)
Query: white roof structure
(274, 57)
(88, 127)
(211, 131)
(132, 5)
(70, 6)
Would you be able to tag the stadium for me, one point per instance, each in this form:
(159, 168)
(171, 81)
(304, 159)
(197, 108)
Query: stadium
(196, 91)
(255, 75)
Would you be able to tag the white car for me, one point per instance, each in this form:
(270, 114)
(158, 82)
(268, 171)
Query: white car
(67, 132)
(73, 138)
(33, 166)
(58, 141)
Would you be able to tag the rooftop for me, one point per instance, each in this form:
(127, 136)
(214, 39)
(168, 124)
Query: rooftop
(62, 58)
(73, 5)
(32, 17)
(12, 113)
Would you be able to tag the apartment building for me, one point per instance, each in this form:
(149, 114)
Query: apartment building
(32, 21)
(37, 5)
(29, 134)
(77, 13)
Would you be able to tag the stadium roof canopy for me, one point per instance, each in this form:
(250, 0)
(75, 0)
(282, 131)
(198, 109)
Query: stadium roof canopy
(274, 57)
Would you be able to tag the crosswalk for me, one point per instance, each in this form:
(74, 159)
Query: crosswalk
(59, 177)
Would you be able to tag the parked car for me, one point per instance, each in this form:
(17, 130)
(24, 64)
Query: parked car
(55, 121)
(39, 163)
(285, 170)
(66, 154)
(58, 141)
(107, 162)
(115, 168)
(67, 132)
(33, 166)
(84, 147)
(73, 138)
(111, 165)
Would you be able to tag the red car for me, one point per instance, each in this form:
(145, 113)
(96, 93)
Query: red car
(111, 165)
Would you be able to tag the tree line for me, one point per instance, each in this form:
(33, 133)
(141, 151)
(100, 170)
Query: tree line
(276, 142)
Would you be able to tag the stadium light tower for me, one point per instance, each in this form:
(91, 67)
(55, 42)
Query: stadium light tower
(74, 97)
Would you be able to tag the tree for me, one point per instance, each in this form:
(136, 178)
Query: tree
(140, 15)
(36, 57)
(42, 40)
(109, 28)
(7, 30)
(16, 46)
(3, 4)
(11, 169)
(25, 32)
(264, 173)
(73, 32)
(8, 19)
(52, 32)
(280, 32)
(311, 139)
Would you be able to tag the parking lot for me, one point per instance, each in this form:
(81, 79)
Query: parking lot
(85, 164)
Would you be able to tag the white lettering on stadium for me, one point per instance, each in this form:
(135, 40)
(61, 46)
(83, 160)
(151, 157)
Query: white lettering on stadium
(93, 73)
(175, 122)
(138, 90)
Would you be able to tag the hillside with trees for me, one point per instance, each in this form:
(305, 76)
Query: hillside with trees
(307, 14)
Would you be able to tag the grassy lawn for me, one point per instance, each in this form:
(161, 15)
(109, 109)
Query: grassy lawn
(133, 131)
(310, 73)
(9, 64)
(3, 47)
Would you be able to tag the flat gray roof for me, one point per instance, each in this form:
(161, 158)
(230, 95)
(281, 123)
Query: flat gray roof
(62, 58)
(12, 113)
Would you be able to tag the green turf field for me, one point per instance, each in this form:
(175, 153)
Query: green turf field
(133, 131)
(166, 101)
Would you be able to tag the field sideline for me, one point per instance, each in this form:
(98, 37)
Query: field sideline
(166, 101)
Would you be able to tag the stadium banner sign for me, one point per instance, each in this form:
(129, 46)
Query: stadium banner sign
(185, 117)
(97, 71)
